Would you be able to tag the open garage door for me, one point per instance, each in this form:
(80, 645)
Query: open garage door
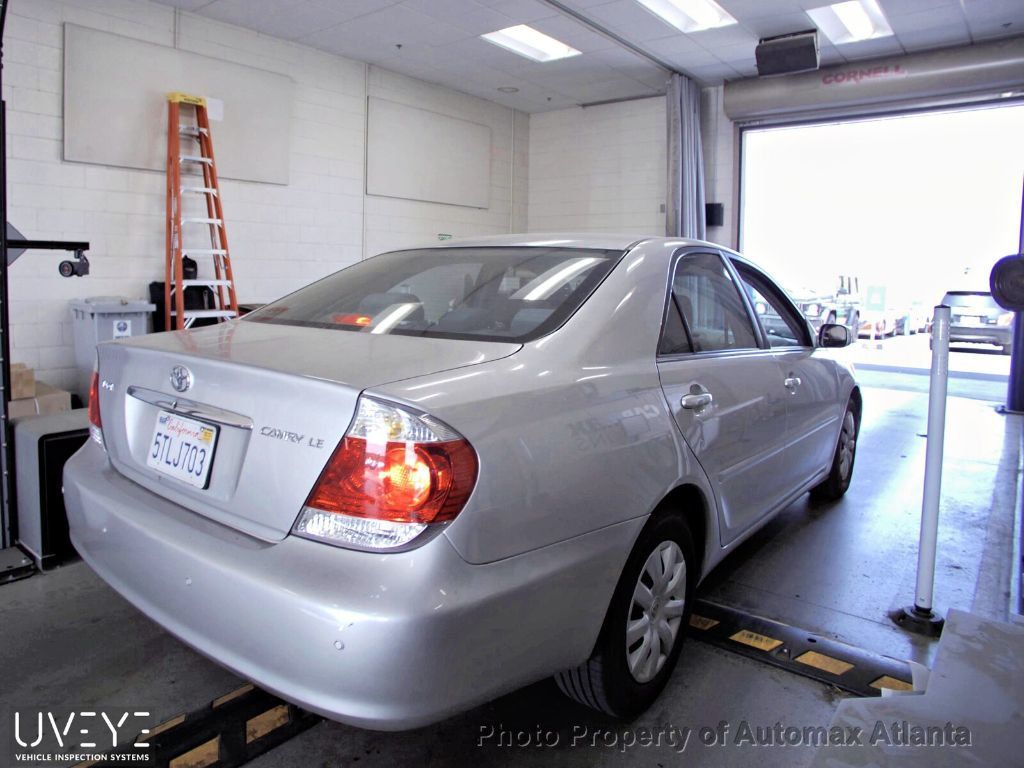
(878, 219)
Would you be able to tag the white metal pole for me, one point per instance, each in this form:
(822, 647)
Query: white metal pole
(933, 461)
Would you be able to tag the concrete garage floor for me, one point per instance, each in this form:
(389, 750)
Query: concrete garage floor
(66, 638)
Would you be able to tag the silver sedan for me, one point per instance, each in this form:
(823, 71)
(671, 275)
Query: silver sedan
(444, 473)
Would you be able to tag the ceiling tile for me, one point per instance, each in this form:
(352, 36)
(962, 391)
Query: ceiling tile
(631, 20)
(994, 17)
(734, 34)
(466, 15)
(926, 39)
(780, 24)
(899, 7)
(866, 49)
(676, 45)
(948, 19)
(521, 11)
(187, 5)
(571, 32)
(381, 31)
(743, 10)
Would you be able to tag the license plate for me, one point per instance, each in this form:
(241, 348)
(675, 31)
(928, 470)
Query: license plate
(182, 448)
(972, 319)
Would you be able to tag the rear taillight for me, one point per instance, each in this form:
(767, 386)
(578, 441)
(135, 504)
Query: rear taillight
(394, 474)
(95, 422)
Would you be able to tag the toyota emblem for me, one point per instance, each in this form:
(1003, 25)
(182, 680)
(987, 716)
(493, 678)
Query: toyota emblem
(181, 378)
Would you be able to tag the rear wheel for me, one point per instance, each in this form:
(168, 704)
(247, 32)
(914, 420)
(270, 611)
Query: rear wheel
(645, 625)
(834, 486)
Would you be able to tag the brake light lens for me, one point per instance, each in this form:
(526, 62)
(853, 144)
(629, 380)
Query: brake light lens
(95, 422)
(353, 318)
(394, 474)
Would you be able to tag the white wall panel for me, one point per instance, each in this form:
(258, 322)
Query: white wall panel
(115, 106)
(417, 154)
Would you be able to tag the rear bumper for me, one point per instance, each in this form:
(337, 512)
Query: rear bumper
(1000, 335)
(381, 641)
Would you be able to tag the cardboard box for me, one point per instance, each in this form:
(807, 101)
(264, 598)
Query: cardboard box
(25, 406)
(23, 382)
(51, 400)
(47, 400)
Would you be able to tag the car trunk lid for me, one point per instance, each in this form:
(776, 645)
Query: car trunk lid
(278, 397)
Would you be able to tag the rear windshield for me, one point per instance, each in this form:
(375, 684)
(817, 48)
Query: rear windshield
(969, 299)
(499, 294)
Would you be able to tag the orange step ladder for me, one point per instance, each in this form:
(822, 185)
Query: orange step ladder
(179, 223)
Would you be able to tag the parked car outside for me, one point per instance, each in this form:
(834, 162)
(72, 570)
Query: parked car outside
(916, 319)
(444, 473)
(821, 306)
(976, 318)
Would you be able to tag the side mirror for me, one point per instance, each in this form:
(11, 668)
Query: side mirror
(834, 335)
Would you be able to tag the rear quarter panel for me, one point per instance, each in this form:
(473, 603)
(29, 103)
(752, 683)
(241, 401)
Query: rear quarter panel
(573, 432)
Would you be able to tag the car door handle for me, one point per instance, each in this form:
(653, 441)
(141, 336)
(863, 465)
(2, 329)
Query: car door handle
(792, 382)
(697, 401)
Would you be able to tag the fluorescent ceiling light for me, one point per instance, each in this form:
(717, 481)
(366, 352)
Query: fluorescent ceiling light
(851, 21)
(690, 15)
(528, 42)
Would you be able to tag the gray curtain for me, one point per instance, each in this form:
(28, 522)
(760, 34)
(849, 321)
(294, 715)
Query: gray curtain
(684, 209)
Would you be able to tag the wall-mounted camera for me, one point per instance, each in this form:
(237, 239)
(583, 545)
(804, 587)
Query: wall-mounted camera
(77, 268)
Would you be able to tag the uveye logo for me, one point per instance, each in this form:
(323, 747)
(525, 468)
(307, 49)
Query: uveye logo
(42, 736)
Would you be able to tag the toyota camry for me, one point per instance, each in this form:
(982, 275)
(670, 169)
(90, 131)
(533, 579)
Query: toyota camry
(444, 473)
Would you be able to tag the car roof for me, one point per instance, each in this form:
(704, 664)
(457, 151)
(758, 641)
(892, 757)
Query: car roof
(604, 241)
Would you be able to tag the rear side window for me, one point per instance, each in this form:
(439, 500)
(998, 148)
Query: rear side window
(712, 309)
(499, 294)
(970, 299)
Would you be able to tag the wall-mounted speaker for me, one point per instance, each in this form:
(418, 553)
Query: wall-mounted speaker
(785, 54)
(714, 214)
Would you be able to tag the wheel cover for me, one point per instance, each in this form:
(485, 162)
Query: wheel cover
(847, 445)
(656, 611)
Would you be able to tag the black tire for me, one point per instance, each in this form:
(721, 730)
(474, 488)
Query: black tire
(834, 486)
(604, 682)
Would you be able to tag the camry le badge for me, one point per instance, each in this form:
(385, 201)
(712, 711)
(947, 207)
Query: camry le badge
(181, 378)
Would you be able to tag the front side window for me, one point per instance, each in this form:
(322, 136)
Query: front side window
(498, 294)
(710, 305)
(782, 325)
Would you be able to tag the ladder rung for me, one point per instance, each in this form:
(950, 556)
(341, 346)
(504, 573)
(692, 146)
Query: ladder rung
(196, 159)
(201, 220)
(199, 191)
(187, 283)
(204, 252)
(207, 313)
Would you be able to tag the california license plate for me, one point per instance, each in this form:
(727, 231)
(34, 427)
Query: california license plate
(182, 448)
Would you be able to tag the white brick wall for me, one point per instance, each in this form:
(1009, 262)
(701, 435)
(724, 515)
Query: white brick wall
(281, 236)
(720, 163)
(599, 169)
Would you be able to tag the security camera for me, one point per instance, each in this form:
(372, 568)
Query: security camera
(77, 268)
